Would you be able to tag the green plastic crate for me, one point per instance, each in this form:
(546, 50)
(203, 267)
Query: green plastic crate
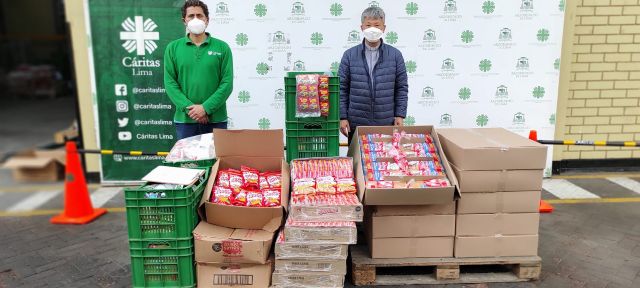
(205, 163)
(162, 263)
(319, 139)
(173, 216)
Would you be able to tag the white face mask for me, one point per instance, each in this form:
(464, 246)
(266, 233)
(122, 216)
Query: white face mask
(372, 34)
(196, 26)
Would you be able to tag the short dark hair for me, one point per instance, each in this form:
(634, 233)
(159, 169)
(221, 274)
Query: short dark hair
(194, 3)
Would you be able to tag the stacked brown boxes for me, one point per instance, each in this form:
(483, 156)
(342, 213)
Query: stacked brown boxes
(400, 222)
(233, 243)
(500, 177)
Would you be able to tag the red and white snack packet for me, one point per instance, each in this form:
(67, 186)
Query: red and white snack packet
(264, 183)
(235, 179)
(223, 178)
(254, 198)
(250, 176)
(222, 195)
(271, 198)
(304, 186)
(274, 179)
(239, 197)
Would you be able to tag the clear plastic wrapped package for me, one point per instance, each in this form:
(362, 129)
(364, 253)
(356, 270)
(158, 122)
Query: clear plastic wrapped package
(306, 280)
(199, 147)
(302, 265)
(338, 232)
(340, 207)
(307, 96)
(291, 250)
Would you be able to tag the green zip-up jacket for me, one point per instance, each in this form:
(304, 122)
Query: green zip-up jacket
(198, 75)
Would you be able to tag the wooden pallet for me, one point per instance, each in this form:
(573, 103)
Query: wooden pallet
(441, 270)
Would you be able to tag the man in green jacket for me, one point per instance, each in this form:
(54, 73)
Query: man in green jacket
(198, 75)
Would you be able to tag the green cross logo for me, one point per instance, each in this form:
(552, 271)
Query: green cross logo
(543, 35)
(411, 8)
(409, 121)
(316, 38)
(411, 66)
(260, 10)
(538, 92)
(244, 96)
(561, 5)
(552, 119)
(334, 67)
(485, 65)
(242, 39)
(264, 123)
(482, 120)
(466, 36)
(391, 38)
(488, 7)
(262, 68)
(464, 93)
(556, 64)
(336, 9)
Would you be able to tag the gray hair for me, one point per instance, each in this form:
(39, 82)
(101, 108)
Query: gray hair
(373, 12)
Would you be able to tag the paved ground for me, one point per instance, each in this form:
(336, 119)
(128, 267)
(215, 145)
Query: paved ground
(591, 241)
(582, 244)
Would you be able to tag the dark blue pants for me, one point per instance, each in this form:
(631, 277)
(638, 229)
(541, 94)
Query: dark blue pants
(185, 130)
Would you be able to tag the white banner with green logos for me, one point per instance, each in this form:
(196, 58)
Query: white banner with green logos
(471, 63)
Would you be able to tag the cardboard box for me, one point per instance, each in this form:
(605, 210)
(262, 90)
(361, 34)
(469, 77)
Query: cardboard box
(291, 250)
(340, 207)
(491, 149)
(411, 247)
(498, 180)
(412, 226)
(496, 246)
(499, 202)
(260, 149)
(38, 165)
(412, 210)
(307, 280)
(321, 232)
(398, 196)
(225, 245)
(216, 275)
(326, 266)
(497, 224)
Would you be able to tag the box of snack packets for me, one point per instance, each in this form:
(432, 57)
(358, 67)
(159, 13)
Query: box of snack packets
(249, 184)
(401, 166)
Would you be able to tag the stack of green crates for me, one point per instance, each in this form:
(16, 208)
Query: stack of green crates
(160, 223)
(313, 136)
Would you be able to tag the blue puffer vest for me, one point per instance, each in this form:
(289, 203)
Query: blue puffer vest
(373, 103)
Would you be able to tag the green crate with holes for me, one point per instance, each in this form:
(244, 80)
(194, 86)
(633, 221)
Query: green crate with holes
(170, 213)
(162, 262)
(312, 139)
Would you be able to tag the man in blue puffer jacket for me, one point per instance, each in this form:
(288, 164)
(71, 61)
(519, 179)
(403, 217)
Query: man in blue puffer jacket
(373, 80)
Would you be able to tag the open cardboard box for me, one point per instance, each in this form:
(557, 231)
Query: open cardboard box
(491, 149)
(37, 165)
(260, 149)
(400, 196)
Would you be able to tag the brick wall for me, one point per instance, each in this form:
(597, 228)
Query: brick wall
(604, 82)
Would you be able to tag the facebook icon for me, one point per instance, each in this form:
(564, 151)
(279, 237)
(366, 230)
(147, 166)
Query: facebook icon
(121, 90)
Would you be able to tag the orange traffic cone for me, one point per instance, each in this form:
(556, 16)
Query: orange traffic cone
(77, 204)
(544, 207)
